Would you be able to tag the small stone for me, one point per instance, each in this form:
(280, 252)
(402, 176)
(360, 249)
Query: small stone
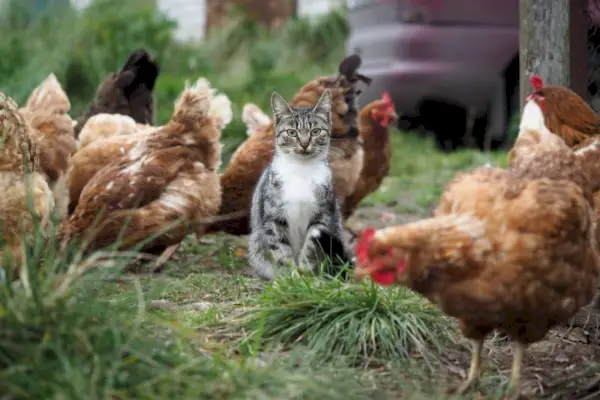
(199, 306)
(562, 358)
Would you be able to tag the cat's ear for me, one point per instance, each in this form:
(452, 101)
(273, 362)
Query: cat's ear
(323, 106)
(279, 106)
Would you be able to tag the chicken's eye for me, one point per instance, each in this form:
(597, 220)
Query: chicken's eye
(292, 132)
(315, 132)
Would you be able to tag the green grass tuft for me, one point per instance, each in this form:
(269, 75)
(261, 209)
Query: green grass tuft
(62, 338)
(358, 322)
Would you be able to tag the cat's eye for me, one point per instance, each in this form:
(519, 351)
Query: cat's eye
(292, 132)
(315, 132)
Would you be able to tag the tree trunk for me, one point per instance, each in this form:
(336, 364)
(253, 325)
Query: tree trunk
(271, 13)
(553, 44)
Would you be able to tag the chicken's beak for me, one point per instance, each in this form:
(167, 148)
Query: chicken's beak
(361, 272)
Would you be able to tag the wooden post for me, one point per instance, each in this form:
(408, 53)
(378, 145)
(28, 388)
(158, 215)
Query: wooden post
(553, 44)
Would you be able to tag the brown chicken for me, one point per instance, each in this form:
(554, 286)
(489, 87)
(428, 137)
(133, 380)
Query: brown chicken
(538, 153)
(127, 92)
(373, 122)
(168, 183)
(104, 126)
(20, 182)
(250, 159)
(503, 252)
(105, 138)
(567, 114)
(46, 113)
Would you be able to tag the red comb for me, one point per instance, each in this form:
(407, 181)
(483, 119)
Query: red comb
(362, 245)
(536, 82)
(386, 98)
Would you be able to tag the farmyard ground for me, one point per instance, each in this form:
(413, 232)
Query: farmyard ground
(203, 328)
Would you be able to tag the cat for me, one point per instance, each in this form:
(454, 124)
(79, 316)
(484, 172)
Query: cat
(295, 215)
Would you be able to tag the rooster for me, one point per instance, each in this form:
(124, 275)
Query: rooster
(168, 182)
(566, 114)
(505, 250)
(127, 92)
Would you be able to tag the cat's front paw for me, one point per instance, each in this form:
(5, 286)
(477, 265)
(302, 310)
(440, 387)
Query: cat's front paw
(314, 233)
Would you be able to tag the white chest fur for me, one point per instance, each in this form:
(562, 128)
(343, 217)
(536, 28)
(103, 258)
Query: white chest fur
(300, 179)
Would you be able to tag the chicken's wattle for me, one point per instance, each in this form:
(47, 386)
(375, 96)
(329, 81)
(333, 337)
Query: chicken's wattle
(384, 278)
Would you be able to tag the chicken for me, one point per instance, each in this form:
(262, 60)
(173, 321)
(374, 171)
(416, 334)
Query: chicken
(373, 122)
(250, 159)
(103, 126)
(567, 114)
(104, 138)
(254, 118)
(26, 198)
(46, 113)
(127, 92)
(538, 153)
(504, 251)
(166, 184)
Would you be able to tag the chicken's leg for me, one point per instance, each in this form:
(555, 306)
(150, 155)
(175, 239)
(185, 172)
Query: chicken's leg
(164, 257)
(475, 367)
(515, 375)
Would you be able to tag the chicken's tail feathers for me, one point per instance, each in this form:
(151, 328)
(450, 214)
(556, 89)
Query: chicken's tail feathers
(254, 118)
(49, 96)
(200, 100)
(10, 118)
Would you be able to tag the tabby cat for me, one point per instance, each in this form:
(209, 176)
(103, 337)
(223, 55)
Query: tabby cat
(295, 216)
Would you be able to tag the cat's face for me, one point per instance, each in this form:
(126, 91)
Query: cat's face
(303, 132)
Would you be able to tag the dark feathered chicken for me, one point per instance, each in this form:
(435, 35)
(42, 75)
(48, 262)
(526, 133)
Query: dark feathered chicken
(127, 92)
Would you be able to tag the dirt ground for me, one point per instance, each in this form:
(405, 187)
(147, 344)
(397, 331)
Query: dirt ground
(564, 366)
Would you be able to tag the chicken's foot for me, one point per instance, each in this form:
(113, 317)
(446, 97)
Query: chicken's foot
(164, 257)
(474, 369)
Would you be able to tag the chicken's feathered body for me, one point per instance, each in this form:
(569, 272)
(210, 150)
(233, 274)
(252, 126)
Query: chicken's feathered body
(168, 183)
(250, 159)
(104, 126)
(20, 182)
(127, 92)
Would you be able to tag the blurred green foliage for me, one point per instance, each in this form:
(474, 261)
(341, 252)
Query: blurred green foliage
(242, 58)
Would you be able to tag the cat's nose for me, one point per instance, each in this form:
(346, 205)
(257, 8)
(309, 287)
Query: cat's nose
(304, 144)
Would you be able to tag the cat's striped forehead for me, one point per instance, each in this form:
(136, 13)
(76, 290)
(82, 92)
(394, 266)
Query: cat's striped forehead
(302, 119)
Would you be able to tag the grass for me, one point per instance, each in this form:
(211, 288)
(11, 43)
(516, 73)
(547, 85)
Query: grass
(361, 323)
(203, 329)
(419, 172)
(75, 328)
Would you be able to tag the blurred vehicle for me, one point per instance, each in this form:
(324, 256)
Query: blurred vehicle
(451, 66)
